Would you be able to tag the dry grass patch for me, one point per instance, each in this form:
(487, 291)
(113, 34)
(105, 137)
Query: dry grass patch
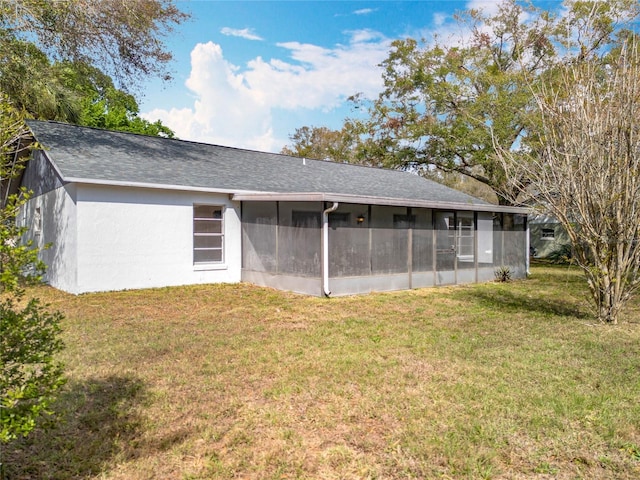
(497, 381)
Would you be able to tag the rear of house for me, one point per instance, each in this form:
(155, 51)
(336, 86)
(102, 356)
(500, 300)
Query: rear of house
(124, 211)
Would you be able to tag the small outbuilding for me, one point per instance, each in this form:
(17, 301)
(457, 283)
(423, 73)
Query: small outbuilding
(126, 211)
(547, 238)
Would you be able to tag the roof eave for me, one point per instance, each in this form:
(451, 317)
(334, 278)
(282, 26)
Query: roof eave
(373, 200)
(155, 186)
(253, 196)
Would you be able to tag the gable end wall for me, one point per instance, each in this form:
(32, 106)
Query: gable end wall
(50, 215)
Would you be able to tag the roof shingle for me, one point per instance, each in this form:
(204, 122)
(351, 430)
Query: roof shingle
(94, 155)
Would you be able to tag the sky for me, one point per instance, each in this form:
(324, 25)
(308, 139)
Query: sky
(247, 74)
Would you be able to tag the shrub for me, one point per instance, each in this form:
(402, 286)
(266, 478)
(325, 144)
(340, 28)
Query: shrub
(30, 374)
(503, 274)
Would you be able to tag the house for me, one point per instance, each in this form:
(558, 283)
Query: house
(126, 211)
(547, 238)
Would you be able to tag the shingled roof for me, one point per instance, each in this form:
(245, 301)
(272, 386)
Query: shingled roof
(90, 155)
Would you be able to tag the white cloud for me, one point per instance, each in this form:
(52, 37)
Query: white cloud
(489, 8)
(439, 19)
(234, 106)
(364, 11)
(225, 111)
(245, 33)
(365, 35)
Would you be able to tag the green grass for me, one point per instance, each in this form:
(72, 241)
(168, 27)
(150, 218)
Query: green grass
(501, 380)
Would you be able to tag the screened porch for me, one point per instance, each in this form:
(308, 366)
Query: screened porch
(365, 248)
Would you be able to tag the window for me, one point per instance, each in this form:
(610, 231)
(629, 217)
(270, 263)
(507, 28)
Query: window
(208, 234)
(465, 241)
(548, 234)
(37, 221)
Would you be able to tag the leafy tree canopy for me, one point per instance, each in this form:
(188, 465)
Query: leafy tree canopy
(58, 59)
(321, 143)
(447, 105)
(121, 37)
(101, 104)
(68, 91)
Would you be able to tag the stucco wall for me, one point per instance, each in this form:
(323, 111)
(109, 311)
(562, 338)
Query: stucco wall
(554, 248)
(138, 238)
(54, 203)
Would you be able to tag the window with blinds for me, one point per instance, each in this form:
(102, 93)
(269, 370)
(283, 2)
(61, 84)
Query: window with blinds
(208, 234)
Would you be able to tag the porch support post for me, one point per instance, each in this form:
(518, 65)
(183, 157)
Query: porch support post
(527, 246)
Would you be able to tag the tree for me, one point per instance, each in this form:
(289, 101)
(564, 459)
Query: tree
(442, 100)
(41, 42)
(29, 81)
(68, 91)
(100, 104)
(130, 48)
(445, 104)
(321, 143)
(588, 173)
(29, 341)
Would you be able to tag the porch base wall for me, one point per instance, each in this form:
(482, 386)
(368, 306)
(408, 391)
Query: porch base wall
(376, 283)
(342, 286)
(486, 274)
(305, 285)
(422, 279)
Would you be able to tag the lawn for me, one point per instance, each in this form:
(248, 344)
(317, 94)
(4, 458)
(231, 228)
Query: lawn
(499, 380)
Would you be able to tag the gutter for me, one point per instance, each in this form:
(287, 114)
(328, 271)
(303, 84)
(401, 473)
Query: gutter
(325, 248)
(373, 200)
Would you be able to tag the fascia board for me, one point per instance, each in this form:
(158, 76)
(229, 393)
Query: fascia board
(156, 186)
(373, 200)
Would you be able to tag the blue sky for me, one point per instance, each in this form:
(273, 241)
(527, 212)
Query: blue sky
(247, 74)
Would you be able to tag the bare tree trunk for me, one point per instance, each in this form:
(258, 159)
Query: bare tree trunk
(588, 174)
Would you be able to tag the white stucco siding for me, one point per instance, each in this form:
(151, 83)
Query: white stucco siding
(50, 216)
(59, 234)
(139, 238)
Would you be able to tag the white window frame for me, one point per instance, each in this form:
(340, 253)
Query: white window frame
(465, 247)
(220, 235)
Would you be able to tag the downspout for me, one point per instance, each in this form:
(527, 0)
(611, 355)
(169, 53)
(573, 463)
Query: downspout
(325, 247)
